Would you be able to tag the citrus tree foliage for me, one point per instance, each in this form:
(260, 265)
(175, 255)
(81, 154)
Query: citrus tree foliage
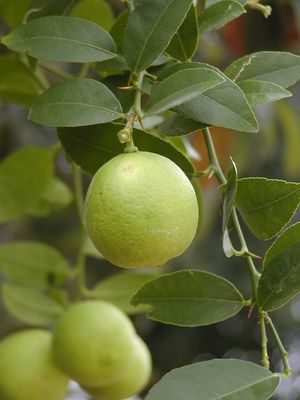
(151, 47)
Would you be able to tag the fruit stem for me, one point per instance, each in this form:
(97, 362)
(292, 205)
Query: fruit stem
(79, 200)
(254, 274)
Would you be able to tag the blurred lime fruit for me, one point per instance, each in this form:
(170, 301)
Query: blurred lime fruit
(141, 210)
(27, 371)
(133, 381)
(93, 343)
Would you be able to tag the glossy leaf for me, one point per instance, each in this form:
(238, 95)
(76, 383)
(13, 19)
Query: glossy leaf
(280, 68)
(219, 14)
(181, 87)
(117, 30)
(57, 38)
(259, 92)
(24, 176)
(32, 264)
(267, 205)
(185, 41)
(177, 125)
(30, 305)
(119, 288)
(150, 28)
(93, 146)
(41, 8)
(189, 298)
(76, 102)
(280, 280)
(98, 11)
(216, 380)
(224, 105)
(17, 83)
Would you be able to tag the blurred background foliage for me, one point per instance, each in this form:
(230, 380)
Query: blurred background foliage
(274, 152)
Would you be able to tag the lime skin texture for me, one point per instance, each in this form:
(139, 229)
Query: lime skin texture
(141, 210)
(133, 381)
(27, 370)
(93, 342)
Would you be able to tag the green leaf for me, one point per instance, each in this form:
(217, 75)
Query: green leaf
(228, 194)
(97, 11)
(177, 125)
(280, 68)
(33, 264)
(267, 205)
(24, 177)
(17, 83)
(93, 146)
(30, 306)
(150, 28)
(41, 8)
(259, 92)
(219, 14)
(189, 298)
(181, 87)
(185, 41)
(76, 102)
(119, 288)
(57, 38)
(216, 380)
(117, 30)
(280, 280)
(224, 105)
(57, 195)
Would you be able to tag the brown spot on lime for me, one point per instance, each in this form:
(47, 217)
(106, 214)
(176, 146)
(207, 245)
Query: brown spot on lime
(129, 168)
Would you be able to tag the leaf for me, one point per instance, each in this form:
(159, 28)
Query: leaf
(57, 195)
(17, 83)
(185, 41)
(189, 298)
(259, 92)
(280, 280)
(24, 176)
(219, 14)
(117, 30)
(93, 146)
(280, 68)
(177, 125)
(267, 205)
(225, 105)
(57, 38)
(30, 306)
(119, 288)
(181, 87)
(228, 194)
(76, 102)
(97, 11)
(216, 380)
(40, 8)
(33, 264)
(150, 28)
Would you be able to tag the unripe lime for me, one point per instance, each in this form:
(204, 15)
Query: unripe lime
(27, 371)
(133, 381)
(93, 343)
(141, 210)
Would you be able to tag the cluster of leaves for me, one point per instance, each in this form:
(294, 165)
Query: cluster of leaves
(153, 46)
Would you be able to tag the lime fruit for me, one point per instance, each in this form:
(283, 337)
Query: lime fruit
(133, 381)
(141, 210)
(93, 343)
(27, 371)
